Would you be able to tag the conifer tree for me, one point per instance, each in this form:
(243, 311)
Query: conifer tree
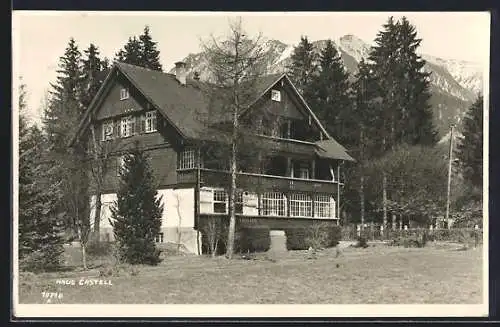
(137, 212)
(131, 52)
(470, 149)
(92, 68)
(40, 226)
(150, 55)
(329, 95)
(304, 66)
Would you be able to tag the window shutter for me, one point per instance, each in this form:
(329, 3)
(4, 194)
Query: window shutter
(117, 131)
(143, 124)
(155, 121)
(206, 201)
(133, 128)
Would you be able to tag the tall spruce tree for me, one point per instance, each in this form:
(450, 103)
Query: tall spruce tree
(137, 212)
(62, 116)
(470, 149)
(304, 66)
(141, 51)
(40, 225)
(329, 95)
(131, 52)
(149, 52)
(92, 70)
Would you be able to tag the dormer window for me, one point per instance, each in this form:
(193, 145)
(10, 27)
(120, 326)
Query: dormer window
(276, 95)
(107, 131)
(124, 93)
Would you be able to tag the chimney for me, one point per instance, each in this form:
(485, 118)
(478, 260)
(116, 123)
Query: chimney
(180, 72)
(196, 76)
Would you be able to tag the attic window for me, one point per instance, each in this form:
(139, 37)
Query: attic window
(124, 94)
(276, 95)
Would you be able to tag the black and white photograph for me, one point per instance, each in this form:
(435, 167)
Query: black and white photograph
(266, 164)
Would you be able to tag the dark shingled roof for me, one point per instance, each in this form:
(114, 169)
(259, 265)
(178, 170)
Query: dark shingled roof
(331, 149)
(194, 110)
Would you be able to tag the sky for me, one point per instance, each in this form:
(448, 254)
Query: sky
(40, 37)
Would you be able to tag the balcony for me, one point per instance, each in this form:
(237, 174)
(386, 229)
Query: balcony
(257, 182)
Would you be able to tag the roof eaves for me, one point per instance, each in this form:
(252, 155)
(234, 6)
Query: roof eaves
(308, 108)
(84, 121)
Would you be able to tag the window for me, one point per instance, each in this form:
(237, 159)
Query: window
(150, 122)
(124, 94)
(107, 130)
(304, 172)
(187, 159)
(159, 238)
(276, 95)
(324, 206)
(127, 126)
(300, 205)
(273, 204)
(301, 169)
(221, 202)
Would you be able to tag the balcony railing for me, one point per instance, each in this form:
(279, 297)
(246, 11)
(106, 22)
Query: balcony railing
(257, 182)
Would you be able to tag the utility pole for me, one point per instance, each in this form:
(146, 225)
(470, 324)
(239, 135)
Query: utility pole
(449, 176)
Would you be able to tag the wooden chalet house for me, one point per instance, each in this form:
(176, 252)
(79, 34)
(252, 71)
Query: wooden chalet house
(297, 183)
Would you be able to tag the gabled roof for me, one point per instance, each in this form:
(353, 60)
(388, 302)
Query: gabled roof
(185, 107)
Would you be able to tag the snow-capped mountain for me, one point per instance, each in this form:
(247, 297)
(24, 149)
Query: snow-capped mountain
(454, 83)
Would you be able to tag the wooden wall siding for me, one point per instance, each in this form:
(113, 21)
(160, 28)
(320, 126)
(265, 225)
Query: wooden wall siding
(112, 105)
(287, 107)
(163, 162)
(253, 183)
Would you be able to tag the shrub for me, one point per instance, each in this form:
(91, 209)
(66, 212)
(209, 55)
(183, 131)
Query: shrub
(316, 236)
(99, 249)
(253, 240)
(361, 243)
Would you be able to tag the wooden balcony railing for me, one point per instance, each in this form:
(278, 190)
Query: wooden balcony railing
(257, 182)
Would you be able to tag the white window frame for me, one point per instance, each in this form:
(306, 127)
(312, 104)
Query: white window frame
(300, 205)
(273, 204)
(150, 121)
(276, 95)
(159, 238)
(324, 206)
(124, 93)
(106, 124)
(304, 172)
(127, 126)
(219, 196)
(187, 159)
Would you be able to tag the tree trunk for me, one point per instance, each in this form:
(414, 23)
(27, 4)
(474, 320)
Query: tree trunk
(97, 216)
(393, 222)
(84, 256)
(232, 213)
(384, 198)
(362, 198)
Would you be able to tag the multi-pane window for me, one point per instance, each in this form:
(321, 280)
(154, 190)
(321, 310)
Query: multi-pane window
(127, 126)
(150, 122)
(107, 130)
(276, 95)
(124, 94)
(273, 204)
(221, 202)
(159, 238)
(300, 205)
(324, 206)
(187, 159)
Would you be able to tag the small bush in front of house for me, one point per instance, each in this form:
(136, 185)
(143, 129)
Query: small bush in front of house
(361, 242)
(253, 240)
(317, 236)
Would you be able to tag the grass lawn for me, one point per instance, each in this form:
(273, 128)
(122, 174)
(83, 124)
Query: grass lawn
(376, 275)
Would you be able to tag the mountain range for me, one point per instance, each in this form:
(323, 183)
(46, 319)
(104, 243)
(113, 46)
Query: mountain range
(454, 83)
